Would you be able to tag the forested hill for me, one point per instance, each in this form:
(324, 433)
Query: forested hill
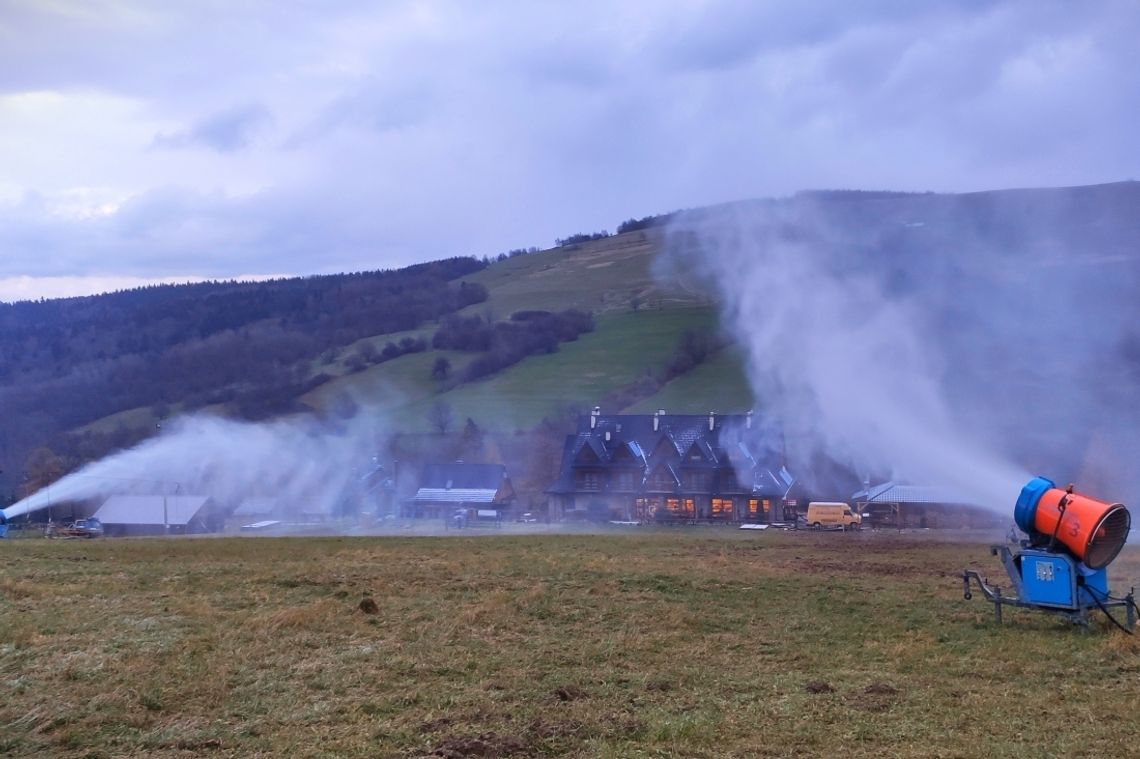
(495, 343)
(67, 362)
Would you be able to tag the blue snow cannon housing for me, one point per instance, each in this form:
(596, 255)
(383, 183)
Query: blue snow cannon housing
(1025, 510)
(1061, 566)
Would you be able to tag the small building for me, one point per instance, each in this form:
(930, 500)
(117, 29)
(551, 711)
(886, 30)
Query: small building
(477, 490)
(160, 515)
(674, 467)
(892, 504)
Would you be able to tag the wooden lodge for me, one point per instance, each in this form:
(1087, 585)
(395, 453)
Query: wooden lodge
(674, 468)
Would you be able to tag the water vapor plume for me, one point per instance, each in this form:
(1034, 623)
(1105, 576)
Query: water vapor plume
(302, 463)
(949, 341)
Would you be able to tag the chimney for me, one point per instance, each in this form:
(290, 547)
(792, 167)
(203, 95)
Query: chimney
(712, 421)
(748, 420)
(594, 416)
(657, 419)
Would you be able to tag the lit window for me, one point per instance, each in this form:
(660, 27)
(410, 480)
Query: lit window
(722, 508)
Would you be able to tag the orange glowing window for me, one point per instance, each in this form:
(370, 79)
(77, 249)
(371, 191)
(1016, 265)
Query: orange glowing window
(722, 508)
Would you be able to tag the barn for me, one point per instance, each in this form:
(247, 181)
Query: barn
(892, 504)
(123, 515)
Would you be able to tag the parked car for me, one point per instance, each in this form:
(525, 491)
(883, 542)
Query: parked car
(83, 528)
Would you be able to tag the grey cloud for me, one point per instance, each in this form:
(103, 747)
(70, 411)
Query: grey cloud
(227, 131)
(375, 106)
(519, 123)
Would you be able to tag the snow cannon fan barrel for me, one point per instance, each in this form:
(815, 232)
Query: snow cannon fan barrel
(1093, 531)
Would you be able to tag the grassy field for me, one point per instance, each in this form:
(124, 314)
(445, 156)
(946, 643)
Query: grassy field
(686, 643)
(719, 384)
(602, 276)
(581, 372)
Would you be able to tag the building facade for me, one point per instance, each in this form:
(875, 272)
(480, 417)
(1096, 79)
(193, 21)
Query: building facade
(674, 467)
(475, 490)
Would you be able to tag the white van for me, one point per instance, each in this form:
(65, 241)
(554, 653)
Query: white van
(836, 516)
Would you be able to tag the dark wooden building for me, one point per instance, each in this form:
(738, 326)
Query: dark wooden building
(477, 490)
(674, 467)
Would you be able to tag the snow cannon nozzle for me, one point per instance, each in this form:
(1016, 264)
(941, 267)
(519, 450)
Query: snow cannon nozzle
(1093, 531)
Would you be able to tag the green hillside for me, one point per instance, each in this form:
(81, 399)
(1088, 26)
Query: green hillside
(607, 277)
(602, 276)
(719, 384)
(639, 322)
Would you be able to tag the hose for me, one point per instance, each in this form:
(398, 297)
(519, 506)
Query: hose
(1092, 594)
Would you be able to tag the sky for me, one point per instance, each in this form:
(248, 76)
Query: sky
(147, 141)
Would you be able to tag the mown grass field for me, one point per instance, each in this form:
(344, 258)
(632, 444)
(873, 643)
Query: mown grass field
(685, 643)
(719, 384)
(621, 349)
(602, 276)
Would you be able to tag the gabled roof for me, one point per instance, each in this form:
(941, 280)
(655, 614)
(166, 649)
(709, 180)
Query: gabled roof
(703, 452)
(589, 444)
(151, 509)
(721, 440)
(664, 445)
(464, 483)
(463, 476)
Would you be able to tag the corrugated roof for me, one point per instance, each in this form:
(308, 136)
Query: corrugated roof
(455, 495)
(892, 492)
(150, 509)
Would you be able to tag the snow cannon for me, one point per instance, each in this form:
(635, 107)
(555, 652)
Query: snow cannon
(1093, 531)
(1062, 566)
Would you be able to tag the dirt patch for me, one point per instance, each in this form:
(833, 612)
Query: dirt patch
(876, 697)
(484, 744)
(567, 693)
(819, 686)
(435, 725)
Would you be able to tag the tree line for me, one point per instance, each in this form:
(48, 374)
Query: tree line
(248, 346)
(505, 343)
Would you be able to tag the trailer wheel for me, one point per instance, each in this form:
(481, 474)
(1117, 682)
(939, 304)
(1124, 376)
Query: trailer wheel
(817, 526)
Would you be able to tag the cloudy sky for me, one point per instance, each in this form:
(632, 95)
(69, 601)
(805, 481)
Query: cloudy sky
(162, 141)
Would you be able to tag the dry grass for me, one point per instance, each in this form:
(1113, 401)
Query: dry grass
(678, 643)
